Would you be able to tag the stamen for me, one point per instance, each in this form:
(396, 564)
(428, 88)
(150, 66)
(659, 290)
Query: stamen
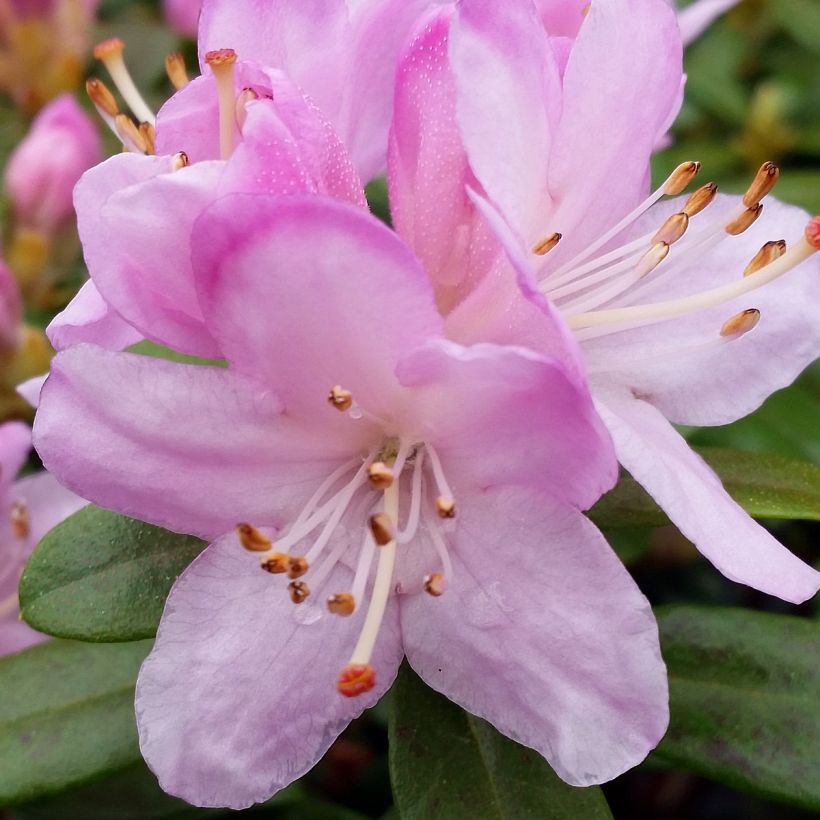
(740, 323)
(744, 220)
(20, 519)
(700, 199)
(130, 135)
(340, 398)
(176, 70)
(149, 135)
(179, 160)
(434, 584)
(297, 566)
(299, 591)
(379, 475)
(651, 259)
(680, 178)
(762, 184)
(102, 98)
(381, 528)
(546, 245)
(765, 256)
(245, 96)
(356, 679)
(434, 530)
(438, 473)
(363, 565)
(342, 603)
(276, 564)
(445, 507)
(413, 517)
(252, 539)
(110, 52)
(324, 487)
(671, 230)
(222, 64)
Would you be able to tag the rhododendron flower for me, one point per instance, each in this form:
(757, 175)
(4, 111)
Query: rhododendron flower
(491, 114)
(348, 432)
(182, 15)
(29, 508)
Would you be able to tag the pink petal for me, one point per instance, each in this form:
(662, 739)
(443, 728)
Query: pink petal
(15, 444)
(48, 503)
(683, 366)
(502, 415)
(562, 18)
(692, 496)
(238, 697)
(307, 274)
(182, 15)
(192, 448)
(30, 389)
(698, 16)
(543, 633)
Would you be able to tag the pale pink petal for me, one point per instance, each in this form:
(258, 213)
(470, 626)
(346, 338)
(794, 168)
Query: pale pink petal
(503, 415)
(698, 16)
(47, 501)
(683, 366)
(542, 632)
(16, 635)
(310, 293)
(562, 18)
(193, 448)
(238, 697)
(30, 389)
(694, 499)
(509, 104)
(182, 15)
(89, 318)
(15, 444)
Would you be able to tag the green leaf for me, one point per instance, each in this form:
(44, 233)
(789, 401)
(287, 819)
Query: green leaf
(445, 762)
(766, 486)
(99, 576)
(745, 700)
(66, 715)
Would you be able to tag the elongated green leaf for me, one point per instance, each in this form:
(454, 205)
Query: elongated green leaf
(766, 486)
(745, 699)
(445, 762)
(66, 715)
(99, 576)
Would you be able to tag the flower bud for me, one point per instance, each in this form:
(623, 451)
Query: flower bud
(62, 144)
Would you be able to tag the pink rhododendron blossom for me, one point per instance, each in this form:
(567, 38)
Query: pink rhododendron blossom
(29, 508)
(494, 123)
(43, 169)
(182, 15)
(418, 497)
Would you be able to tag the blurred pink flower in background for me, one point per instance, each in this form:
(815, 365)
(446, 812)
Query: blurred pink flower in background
(183, 15)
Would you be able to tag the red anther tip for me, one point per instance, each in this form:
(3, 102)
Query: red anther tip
(813, 232)
(221, 56)
(356, 679)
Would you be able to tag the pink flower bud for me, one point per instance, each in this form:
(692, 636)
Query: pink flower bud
(182, 15)
(62, 144)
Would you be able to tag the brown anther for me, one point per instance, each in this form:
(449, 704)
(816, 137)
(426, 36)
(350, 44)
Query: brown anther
(700, 199)
(434, 584)
(382, 528)
(100, 95)
(245, 96)
(379, 476)
(681, 177)
(546, 245)
(672, 230)
(740, 323)
(356, 679)
(20, 519)
(340, 398)
(179, 160)
(651, 259)
(108, 48)
(745, 220)
(762, 184)
(297, 566)
(176, 70)
(445, 507)
(276, 564)
(220, 57)
(765, 256)
(129, 133)
(342, 603)
(299, 591)
(149, 135)
(253, 539)
(813, 232)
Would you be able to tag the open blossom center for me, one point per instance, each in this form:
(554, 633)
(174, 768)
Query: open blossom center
(369, 494)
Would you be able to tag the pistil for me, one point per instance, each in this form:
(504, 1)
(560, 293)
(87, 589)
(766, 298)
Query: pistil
(222, 62)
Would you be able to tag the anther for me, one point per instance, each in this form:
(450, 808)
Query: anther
(131, 136)
(20, 519)
(176, 71)
(546, 245)
(434, 584)
(700, 199)
(766, 255)
(681, 177)
(745, 220)
(107, 49)
(379, 476)
(99, 93)
(813, 233)
(342, 603)
(382, 528)
(299, 591)
(445, 507)
(671, 230)
(149, 135)
(222, 63)
(276, 564)
(253, 539)
(356, 679)
(651, 259)
(340, 398)
(762, 184)
(297, 566)
(246, 95)
(179, 160)
(740, 323)
(111, 54)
